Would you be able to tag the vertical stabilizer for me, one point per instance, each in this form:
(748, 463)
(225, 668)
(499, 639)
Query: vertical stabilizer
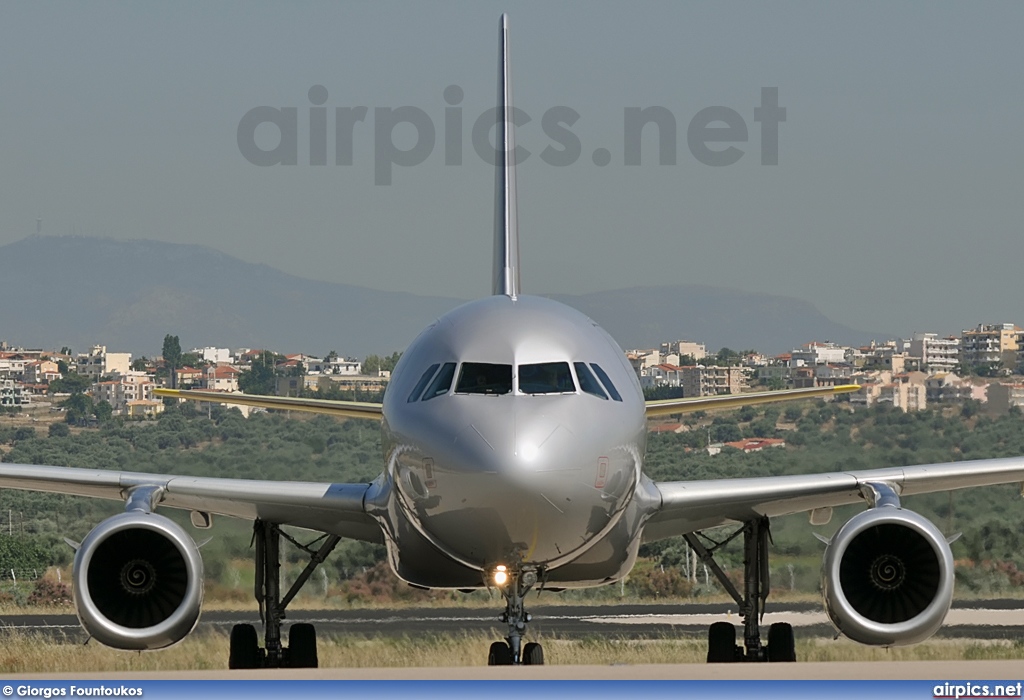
(506, 231)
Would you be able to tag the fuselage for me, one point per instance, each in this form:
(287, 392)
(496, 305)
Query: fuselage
(514, 435)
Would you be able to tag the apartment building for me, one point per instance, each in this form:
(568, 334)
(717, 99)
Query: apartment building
(936, 354)
(816, 353)
(1002, 396)
(905, 396)
(123, 389)
(12, 365)
(220, 356)
(946, 387)
(991, 344)
(684, 347)
(712, 381)
(12, 393)
(40, 372)
(219, 378)
(100, 363)
(661, 375)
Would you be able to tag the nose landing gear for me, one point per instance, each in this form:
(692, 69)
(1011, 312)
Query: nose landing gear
(512, 651)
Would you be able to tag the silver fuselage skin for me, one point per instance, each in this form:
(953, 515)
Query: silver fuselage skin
(549, 482)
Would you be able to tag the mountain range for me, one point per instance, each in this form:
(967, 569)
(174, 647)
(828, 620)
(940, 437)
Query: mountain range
(127, 294)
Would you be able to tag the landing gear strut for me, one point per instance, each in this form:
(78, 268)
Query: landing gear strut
(301, 650)
(512, 651)
(722, 645)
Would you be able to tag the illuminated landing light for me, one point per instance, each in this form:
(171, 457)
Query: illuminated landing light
(529, 452)
(500, 576)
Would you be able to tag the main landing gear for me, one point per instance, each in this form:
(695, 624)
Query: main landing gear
(512, 651)
(722, 645)
(301, 650)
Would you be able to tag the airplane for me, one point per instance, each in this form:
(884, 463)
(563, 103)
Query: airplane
(513, 431)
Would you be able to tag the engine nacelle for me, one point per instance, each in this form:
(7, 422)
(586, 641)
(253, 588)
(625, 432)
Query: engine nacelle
(138, 582)
(888, 577)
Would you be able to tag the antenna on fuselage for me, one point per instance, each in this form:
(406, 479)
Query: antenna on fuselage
(506, 230)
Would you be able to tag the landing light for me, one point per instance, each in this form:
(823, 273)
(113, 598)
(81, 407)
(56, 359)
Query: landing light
(500, 576)
(529, 452)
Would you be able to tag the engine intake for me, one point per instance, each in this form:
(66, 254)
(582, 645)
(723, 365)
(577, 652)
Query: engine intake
(138, 582)
(888, 577)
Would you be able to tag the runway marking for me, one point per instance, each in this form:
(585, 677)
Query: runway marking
(978, 617)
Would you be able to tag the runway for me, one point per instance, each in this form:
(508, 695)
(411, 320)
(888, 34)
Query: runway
(937, 671)
(990, 619)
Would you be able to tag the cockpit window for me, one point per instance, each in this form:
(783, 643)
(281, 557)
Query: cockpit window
(588, 383)
(482, 378)
(442, 382)
(546, 378)
(607, 381)
(418, 389)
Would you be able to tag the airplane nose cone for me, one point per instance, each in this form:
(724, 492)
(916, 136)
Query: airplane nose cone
(533, 489)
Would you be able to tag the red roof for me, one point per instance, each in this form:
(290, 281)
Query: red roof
(756, 444)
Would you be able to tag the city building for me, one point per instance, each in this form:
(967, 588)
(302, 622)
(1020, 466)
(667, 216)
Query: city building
(936, 354)
(40, 372)
(12, 393)
(1002, 396)
(712, 380)
(100, 363)
(219, 378)
(991, 344)
(816, 353)
(220, 356)
(679, 348)
(122, 389)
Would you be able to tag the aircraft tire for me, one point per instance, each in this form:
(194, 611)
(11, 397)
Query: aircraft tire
(721, 643)
(499, 655)
(244, 648)
(781, 644)
(533, 654)
(302, 646)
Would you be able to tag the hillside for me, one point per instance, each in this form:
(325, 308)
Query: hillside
(78, 291)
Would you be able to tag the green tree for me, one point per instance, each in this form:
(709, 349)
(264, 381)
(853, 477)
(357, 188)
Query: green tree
(59, 430)
(139, 365)
(388, 363)
(260, 377)
(172, 355)
(727, 358)
(78, 407)
(371, 365)
(70, 384)
(103, 411)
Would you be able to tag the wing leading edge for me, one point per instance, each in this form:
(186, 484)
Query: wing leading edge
(668, 407)
(687, 506)
(334, 508)
(345, 409)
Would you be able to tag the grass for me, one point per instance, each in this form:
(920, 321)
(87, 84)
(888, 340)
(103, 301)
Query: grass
(30, 652)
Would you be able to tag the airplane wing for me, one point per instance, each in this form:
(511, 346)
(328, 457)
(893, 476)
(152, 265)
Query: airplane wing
(346, 409)
(668, 407)
(334, 508)
(687, 506)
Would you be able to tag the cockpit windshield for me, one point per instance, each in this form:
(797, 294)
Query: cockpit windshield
(546, 378)
(482, 378)
(442, 382)
(588, 383)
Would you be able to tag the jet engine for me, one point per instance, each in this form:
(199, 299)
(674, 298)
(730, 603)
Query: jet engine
(888, 577)
(138, 582)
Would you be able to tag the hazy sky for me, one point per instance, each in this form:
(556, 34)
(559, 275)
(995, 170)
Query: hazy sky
(896, 204)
